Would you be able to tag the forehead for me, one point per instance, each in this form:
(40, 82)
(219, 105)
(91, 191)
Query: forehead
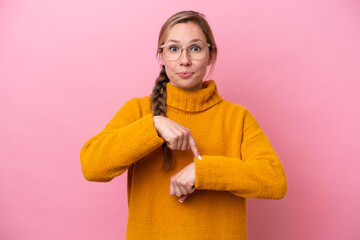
(185, 33)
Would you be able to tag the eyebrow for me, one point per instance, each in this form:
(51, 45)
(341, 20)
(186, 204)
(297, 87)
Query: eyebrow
(193, 40)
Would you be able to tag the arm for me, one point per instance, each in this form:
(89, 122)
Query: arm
(258, 173)
(127, 138)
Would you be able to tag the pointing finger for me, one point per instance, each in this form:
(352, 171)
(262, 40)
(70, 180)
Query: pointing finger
(182, 198)
(194, 147)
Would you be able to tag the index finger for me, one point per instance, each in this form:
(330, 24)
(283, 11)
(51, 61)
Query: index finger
(193, 146)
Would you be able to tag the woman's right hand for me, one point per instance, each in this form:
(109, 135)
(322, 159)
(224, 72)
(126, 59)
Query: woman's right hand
(176, 136)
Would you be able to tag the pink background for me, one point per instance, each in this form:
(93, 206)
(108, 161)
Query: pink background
(66, 67)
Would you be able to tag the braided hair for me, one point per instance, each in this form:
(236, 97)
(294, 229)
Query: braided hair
(158, 101)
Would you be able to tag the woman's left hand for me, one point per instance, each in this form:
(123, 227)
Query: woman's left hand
(183, 182)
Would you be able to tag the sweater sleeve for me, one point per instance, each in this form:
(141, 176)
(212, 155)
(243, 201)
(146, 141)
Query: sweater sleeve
(127, 138)
(258, 173)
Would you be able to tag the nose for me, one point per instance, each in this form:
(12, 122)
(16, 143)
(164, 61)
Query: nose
(184, 58)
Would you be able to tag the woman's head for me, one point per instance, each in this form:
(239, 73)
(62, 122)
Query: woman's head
(187, 30)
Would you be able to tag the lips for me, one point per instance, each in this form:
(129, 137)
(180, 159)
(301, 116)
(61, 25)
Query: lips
(185, 74)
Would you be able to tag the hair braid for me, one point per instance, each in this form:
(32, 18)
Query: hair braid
(158, 102)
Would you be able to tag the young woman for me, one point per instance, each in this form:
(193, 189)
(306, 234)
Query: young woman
(184, 141)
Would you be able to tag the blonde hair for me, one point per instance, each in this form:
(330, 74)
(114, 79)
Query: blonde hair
(158, 97)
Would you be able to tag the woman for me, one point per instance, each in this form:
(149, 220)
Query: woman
(185, 141)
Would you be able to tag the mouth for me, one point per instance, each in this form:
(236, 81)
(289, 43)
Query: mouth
(185, 74)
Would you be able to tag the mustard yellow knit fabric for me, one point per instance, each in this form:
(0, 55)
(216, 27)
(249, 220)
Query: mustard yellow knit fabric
(238, 162)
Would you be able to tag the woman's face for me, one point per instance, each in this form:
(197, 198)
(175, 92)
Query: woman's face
(186, 73)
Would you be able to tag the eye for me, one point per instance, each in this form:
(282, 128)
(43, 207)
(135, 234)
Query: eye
(173, 48)
(195, 48)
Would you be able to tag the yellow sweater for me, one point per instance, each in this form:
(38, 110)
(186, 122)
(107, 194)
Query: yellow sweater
(238, 161)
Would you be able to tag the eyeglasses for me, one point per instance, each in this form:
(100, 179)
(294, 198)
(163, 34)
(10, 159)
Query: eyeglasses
(173, 51)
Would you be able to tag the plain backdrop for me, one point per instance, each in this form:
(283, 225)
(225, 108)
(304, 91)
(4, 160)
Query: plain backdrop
(66, 67)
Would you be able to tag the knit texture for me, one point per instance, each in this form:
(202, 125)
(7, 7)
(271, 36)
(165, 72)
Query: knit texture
(238, 162)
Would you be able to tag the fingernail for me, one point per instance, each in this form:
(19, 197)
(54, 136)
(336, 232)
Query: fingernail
(180, 200)
(199, 157)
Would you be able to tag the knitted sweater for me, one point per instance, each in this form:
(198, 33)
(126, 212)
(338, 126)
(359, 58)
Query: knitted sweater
(238, 162)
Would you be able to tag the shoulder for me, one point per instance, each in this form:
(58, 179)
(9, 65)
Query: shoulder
(130, 109)
(145, 104)
(133, 109)
(233, 107)
(239, 111)
(144, 101)
(137, 104)
(130, 104)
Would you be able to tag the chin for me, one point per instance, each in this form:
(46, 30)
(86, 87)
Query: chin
(187, 84)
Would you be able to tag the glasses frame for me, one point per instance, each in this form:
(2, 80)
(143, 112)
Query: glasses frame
(183, 47)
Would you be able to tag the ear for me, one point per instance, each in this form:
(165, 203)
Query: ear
(161, 59)
(211, 58)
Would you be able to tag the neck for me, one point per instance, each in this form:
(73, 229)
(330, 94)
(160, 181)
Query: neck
(196, 87)
(194, 100)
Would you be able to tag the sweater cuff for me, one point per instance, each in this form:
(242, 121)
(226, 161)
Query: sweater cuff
(211, 173)
(202, 172)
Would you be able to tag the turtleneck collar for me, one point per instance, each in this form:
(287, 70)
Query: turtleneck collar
(193, 101)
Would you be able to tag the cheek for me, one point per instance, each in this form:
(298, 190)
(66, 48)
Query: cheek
(170, 69)
(167, 66)
(202, 66)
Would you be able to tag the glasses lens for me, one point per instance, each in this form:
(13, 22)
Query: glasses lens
(172, 51)
(196, 50)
